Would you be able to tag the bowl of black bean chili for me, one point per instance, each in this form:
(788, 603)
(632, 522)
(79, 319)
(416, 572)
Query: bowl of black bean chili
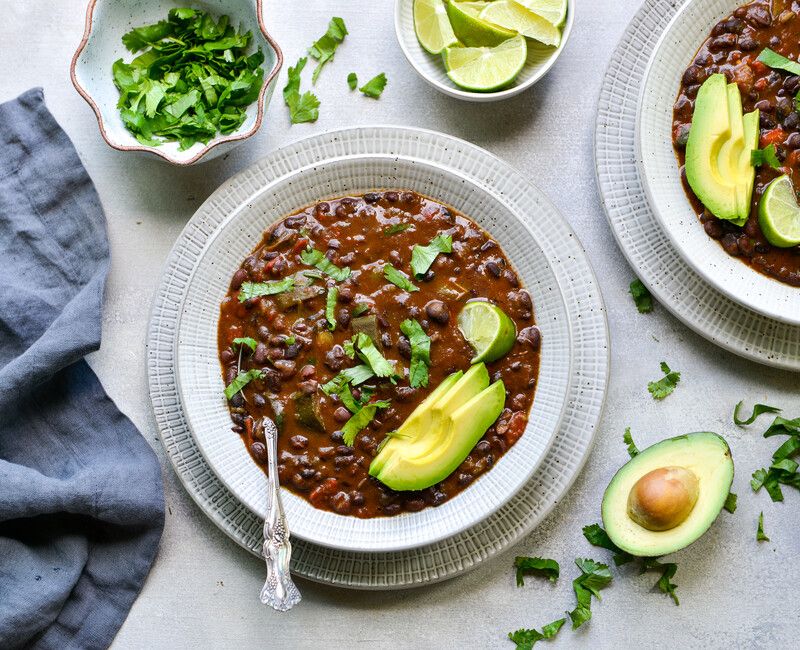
(731, 39)
(320, 276)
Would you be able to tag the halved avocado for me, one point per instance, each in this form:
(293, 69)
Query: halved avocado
(668, 495)
(437, 454)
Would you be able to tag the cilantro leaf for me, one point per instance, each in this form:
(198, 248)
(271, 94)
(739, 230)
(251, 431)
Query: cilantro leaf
(245, 340)
(324, 48)
(316, 258)
(760, 536)
(420, 352)
(374, 87)
(668, 572)
(525, 639)
(370, 355)
(330, 307)
(302, 108)
(596, 536)
(355, 376)
(783, 427)
(398, 278)
(758, 409)
(594, 576)
(628, 440)
(396, 228)
(664, 386)
(641, 296)
(423, 256)
(730, 502)
(765, 156)
(241, 380)
(772, 59)
(352, 80)
(360, 308)
(360, 420)
(536, 565)
(257, 289)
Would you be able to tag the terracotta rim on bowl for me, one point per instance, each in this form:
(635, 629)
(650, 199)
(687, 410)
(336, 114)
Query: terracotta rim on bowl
(154, 150)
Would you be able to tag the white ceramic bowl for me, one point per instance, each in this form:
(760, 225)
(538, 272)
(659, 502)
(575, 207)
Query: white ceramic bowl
(251, 210)
(659, 169)
(431, 67)
(108, 20)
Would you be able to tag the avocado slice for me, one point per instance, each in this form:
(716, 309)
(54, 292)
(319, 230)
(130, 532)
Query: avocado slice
(437, 455)
(751, 131)
(668, 495)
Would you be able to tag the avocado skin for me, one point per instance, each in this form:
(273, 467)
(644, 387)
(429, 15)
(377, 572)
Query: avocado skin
(708, 455)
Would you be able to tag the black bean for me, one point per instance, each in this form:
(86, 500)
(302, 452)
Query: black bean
(519, 401)
(343, 317)
(272, 380)
(307, 371)
(483, 447)
(286, 368)
(682, 136)
(493, 269)
(263, 333)
(309, 387)
(357, 499)
(335, 357)
(429, 275)
(276, 353)
(522, 299)
(298, 441)
(730, 243)
(414, 505)
(372, 197)
(464, 479)
(759, 15)
(260, 354)
(237, 400)
(765, 106)
(746, 246)
(530, 336)
(694, 74)
(238, 277)
(747, 43)
(259, 452)
(341, 414)
(226, 356)
(340, 502)
(791, 121)
(391, 197)
(295, 221)
(793, 141)
(766, 121)
(322, 208)
(723, 42)
(438, 312)
(386, 340)
(259, 401)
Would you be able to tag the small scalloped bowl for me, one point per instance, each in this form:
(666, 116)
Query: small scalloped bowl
(431, 67)
(108, 20)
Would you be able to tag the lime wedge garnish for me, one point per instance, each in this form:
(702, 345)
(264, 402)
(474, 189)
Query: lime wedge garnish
(474, 32)
(553, 11)
(484, 69)
(511, 15)
(488, 329)
(432, 25)
(779, 214)
(473, 8)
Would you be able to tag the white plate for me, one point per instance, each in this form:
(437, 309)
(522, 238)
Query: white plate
(466, 550)
(199, 370)
(672, 54)
(673, 282)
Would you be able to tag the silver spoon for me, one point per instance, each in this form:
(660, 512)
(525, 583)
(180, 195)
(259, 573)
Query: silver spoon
(279, 591)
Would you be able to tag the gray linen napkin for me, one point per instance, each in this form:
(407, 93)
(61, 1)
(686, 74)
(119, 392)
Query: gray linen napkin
(81, 498)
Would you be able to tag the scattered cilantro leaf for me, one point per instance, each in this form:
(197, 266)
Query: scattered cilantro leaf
(765, 156)
(783, 427)
(594, 576)
(396, 228)
(758, 409)
(370, 355)
(360, 308)
(536, 565)
(641, 296)
(352, 80)
(290, 340)
(302, 108)
(525, 639)
(324, 48)
(374, 87)
(241, 380)
(668, 570)
(730, 502)
(316, 258)
(330, 307)
(627, 438)
(661, 388)
(783, 470)
(398, 278)
(420, 352)
(257, 289)
(361, 419)
(245, 340)
(596, 536)
(423, 256)
(773, 60)
(760, 536)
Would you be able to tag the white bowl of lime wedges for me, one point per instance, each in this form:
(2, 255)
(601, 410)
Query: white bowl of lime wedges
(483, 51)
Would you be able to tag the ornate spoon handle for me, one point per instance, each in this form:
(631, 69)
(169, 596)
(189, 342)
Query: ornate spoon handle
(279, 591)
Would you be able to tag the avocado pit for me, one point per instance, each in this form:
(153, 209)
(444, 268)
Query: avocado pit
(663, 498)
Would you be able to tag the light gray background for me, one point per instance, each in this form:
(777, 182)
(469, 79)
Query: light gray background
(202, 592)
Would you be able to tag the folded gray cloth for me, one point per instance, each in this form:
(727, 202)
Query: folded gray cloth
(81, 498)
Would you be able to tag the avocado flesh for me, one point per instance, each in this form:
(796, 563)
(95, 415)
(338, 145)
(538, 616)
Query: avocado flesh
(718, 151)
(705, 454)
(459, 431)
(747, 173)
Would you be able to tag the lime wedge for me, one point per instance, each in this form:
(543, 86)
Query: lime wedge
(473, 8)
(512, 15)
(432, 25)
(779, 214)
(488, 329)
(553, 11)
(483, 69)
(474, 32)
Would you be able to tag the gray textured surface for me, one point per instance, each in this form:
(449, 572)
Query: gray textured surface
(203, 589)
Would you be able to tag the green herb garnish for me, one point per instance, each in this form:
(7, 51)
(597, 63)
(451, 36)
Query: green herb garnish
(596, 536)
(668, 570)
(374, 87)
(423, 256)
(193, 80)
(355, 376)
(370, 355)
(398, 278)
(730, 502)
(537, 566)
(257, 289)
(641, 296)
(758, 409)
(241, 380)
(396, 228)
(360, 420)
(330, 307)
(360, 308)
(290, 340)
(420, 352)
(627, 438)
(245, 340)
(316, 258)
(594, 577)
(776, 61)
(325, 47)
(352, 80)
(302, 108)
(664, 386)
(783, 470)
(765, 156)
(760, 536)
(525, 639)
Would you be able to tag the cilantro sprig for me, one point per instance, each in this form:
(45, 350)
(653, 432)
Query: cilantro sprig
(641, 296)
(783, 470)
(627, 438)
(316, 258)
(594, 577)
(257, 289)
(525, 639)
(375, 86)
(760, 535)
(423, 256)
(361, 419)
(535, 565)
(398, 278)
(758, 409)
(241, 380)
(661, 388)
(330, 307)
(302, 107)
(420, 352)
(765, 156)
(325, 46)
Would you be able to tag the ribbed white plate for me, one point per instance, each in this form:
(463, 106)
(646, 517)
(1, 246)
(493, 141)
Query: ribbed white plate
(671, 280)
(587, 380)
